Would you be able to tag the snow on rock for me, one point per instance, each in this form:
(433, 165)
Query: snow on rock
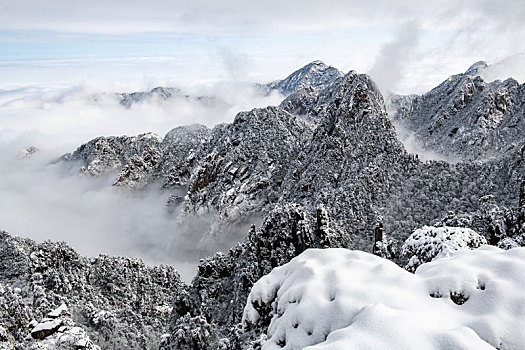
(59, 311)
(242, 168)
(28, 152)
(66, 338)
(342, 153)
(46, 327)
(315, 74)
(115, 300)
(429, 243)
(465, 117)
(103, 154)
(343, 299)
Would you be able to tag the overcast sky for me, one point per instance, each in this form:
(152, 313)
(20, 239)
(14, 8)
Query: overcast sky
(408, 46)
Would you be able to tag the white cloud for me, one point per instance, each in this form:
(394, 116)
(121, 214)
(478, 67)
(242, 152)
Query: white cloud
(53, 201)
(513, 66)
(389, 67)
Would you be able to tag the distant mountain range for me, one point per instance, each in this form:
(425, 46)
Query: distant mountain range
(166, 94)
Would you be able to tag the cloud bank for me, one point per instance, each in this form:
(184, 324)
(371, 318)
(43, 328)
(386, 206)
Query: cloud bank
(42, 200)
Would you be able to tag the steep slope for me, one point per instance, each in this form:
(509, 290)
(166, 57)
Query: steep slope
(242, 167)
(351, 158)
(465, 118)
(120, 302)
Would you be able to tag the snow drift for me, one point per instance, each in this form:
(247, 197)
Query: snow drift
(343, 299)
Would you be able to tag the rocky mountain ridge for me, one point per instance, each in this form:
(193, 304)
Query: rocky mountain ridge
(166, 94)
(343, 153)
(315, 74)
(324, 169)
(465, 117)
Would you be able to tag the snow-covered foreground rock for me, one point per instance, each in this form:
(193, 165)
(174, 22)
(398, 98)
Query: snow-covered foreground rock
(343, 299)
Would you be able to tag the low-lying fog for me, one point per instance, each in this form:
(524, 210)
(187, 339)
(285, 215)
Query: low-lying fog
(41, 200)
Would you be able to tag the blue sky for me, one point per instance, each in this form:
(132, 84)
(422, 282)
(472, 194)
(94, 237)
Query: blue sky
(409, 45)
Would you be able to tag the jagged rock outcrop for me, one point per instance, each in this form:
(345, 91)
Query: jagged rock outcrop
(119, 302)
(143, 159)
(465, 117)
(241, 172)
(104, 154)
(215, 300)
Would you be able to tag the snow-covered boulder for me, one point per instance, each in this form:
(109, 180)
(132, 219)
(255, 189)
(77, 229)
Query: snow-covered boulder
(46, 327)
(343, 299)
(429, 243)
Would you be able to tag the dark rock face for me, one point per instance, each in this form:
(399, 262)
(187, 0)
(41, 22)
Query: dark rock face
(121, 302)
(465, 118)
(180, 149)
(243, 166)
(301, 101)
(351, 158)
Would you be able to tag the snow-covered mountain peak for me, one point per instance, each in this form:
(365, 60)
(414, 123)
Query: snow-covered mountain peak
(465, 117)
(476, 68)
(315, 74)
